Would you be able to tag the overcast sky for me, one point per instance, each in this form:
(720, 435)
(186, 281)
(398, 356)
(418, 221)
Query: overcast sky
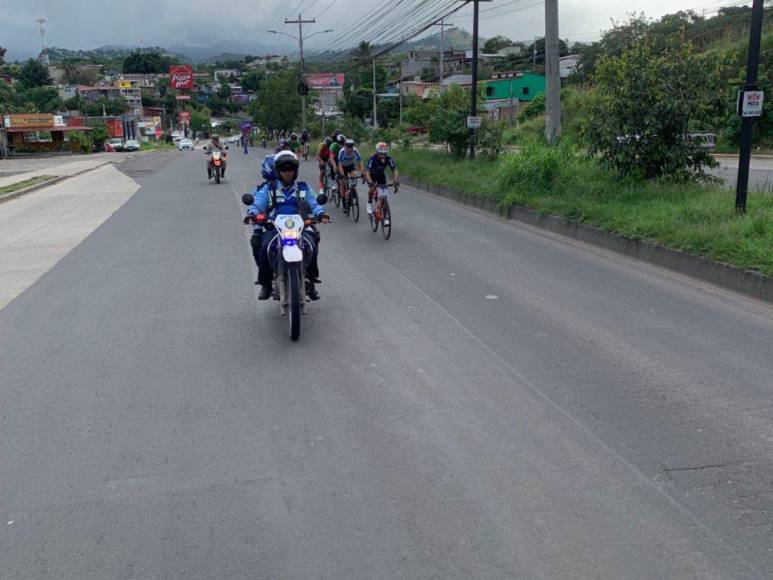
(93, 23)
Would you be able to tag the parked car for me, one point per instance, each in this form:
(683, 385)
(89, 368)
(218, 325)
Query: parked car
(131, 145)
(114, 144)
(185, 144)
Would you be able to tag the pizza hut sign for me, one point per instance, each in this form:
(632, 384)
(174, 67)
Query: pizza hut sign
(181, 77)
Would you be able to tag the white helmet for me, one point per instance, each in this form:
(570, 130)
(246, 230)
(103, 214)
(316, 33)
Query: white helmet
(382, 147)
(284, 160)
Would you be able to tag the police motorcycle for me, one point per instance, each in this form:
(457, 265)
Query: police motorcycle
(290, 255)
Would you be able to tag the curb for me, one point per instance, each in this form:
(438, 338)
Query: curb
(746, 282)
(41, 185)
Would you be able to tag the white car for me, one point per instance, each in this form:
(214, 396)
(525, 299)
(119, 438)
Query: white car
(185, 144)
(233, 139)
(131, 145)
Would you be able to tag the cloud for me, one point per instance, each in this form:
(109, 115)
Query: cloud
(84, 24)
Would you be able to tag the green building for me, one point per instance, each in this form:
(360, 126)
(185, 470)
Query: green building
(523, 86)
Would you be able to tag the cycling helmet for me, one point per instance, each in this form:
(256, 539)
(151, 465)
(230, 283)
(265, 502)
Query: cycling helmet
(341, 139)
(336, 133)
(349, 142)
(286, 160)
(282, 143)
(328, 141)
(382, 147)
(293, 136)
(267, 169)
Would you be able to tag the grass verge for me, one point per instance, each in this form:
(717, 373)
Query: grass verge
(693, 218)
(26, 183)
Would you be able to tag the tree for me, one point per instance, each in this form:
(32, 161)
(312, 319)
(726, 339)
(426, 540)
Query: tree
(45, 99)
(646, 102)
(445, 116)
(251, 81)
(139, 62)
(104, 106)
(278, 105)
(34, 74)
(495, 44)
(358, 103)
(200, 121)
(2, 55)
(224, 92)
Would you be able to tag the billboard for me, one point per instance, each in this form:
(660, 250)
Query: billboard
(325, 80)
(32, 120)
(181, 77)
(184, 117)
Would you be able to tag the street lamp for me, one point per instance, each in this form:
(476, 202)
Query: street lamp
(299, 38)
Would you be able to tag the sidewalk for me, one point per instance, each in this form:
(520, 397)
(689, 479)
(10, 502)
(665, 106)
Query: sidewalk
(37, 230)
(16, 170)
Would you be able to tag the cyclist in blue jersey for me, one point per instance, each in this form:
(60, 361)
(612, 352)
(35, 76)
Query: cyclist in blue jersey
(348, 161)
(377, 166)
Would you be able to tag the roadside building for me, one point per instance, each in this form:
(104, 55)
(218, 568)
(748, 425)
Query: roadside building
(505, 91)
(40, 133)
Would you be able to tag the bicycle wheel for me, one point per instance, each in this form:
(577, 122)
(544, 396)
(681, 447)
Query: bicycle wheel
(354, 205)
(372, 216)
(336, 195)
(386, 220)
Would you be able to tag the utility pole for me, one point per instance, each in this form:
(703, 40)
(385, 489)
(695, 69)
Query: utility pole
(401, 92)
(300, 22)
(474, 104)
(753, 59)
(442, 24)
(552, 73)
(375, 118)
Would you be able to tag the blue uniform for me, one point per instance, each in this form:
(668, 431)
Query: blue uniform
(286, 200)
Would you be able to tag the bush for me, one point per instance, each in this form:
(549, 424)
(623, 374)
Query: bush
(646, 102)
(533, 109)
(489, 140)
(535, 165)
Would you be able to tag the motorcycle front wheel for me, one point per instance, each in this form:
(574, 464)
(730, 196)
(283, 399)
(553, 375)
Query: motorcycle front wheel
(217, 174)
(294, 301)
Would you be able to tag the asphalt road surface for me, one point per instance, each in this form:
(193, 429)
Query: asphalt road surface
(471, 399)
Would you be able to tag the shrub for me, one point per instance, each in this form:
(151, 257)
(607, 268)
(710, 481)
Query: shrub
(646, 102)
(535, 165)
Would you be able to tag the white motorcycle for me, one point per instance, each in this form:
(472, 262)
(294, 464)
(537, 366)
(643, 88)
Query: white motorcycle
(289, 254)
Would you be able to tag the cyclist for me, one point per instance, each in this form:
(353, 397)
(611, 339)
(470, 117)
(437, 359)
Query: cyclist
(335, 148)
(282, 145)
(294, 144)
(348, 161)
(376, 174)
(305, 139)
(323, 156)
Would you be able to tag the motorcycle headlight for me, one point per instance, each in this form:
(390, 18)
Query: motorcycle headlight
(289, 235)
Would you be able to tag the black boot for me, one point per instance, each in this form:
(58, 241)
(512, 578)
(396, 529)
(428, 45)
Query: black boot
(313, 294)
(265, 292)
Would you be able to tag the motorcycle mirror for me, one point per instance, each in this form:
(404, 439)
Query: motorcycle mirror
(322, 199)
(248, 199)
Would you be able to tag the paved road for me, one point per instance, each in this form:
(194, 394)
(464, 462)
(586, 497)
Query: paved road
(760, 172)
(472, 399)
